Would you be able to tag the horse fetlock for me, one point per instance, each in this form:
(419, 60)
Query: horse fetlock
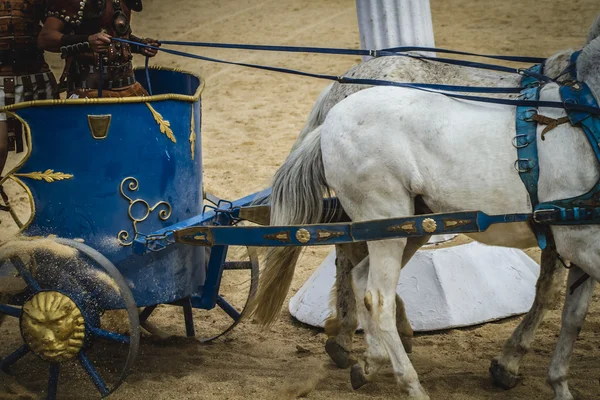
(416, 392)
(332, 326)
(337, 352)
(561, 389)
(502, 376)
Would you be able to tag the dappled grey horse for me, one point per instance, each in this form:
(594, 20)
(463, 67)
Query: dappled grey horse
(343, 322)
(385, 154)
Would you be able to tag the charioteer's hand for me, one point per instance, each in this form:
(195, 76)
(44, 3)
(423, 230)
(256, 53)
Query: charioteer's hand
(99, 42)
(147, 51)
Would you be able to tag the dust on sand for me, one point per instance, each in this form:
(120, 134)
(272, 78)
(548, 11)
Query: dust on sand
(250, 121)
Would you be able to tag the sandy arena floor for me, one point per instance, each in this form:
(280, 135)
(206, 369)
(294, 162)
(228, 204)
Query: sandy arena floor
(250, 120)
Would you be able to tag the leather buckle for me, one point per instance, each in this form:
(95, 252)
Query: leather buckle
(544, 216)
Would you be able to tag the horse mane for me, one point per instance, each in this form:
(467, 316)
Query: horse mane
(557, 63)
(588, 66)
(594, 30)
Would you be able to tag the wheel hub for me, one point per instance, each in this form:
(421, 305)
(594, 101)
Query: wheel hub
(53, 326)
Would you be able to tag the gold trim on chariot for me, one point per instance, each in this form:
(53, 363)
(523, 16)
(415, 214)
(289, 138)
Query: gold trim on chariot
(115, 100)
(123, 236)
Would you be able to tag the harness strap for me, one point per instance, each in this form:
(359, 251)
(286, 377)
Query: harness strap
(579, 282)
(550, 122)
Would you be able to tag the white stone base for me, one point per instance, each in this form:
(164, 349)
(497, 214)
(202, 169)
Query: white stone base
(442, 288)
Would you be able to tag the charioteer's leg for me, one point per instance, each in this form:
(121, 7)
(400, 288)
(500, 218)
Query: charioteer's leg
(3, 145)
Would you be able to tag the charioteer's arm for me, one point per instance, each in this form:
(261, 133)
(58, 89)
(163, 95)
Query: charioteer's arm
(52, 39)
(146, 51)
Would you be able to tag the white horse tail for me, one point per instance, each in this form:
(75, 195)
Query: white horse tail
(296, 198)
(315, 118)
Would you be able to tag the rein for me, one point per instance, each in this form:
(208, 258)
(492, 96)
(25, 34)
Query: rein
(348, 80)
(435, 88)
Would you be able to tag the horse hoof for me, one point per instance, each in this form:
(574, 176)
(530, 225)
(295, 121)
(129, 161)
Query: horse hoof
(407, 343)
(339, 355)
(502, 377)
(357, 377)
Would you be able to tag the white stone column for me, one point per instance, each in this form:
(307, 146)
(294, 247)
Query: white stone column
(394, 23)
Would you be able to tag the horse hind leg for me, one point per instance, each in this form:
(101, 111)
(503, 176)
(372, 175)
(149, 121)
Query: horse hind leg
(504, 368)
(341, 326)
(575, 309)
(375, 356)
(380, 302)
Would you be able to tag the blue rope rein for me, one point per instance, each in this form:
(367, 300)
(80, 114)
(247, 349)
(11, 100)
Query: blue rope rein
(329, 50)
(147, 71)
(433, 88)
(342, 79)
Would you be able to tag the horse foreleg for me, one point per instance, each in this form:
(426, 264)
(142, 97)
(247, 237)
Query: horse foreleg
(505, 367)
(573, 316)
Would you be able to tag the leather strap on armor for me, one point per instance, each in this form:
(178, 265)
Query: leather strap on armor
(74, 44)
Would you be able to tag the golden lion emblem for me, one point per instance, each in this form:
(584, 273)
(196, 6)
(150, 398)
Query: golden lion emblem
(53, 326)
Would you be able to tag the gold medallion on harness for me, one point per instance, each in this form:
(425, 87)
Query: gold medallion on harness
(302, 235)
(429, 225)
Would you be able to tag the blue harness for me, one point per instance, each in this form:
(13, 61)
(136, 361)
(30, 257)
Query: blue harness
(579, 210)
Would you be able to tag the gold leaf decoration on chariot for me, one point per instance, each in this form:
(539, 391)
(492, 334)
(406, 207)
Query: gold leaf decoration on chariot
(193, 136)
(48, 175)
(165, 126)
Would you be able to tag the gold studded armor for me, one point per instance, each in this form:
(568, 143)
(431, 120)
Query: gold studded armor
(20, 25)
(88, 17)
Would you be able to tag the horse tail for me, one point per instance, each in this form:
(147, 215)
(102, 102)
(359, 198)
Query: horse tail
(296, 198)
(315, 118)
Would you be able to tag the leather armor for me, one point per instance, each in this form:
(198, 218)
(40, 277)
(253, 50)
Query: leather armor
(20, 25)
(83, 18)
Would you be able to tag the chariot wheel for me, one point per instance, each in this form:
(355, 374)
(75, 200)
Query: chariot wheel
(237, 282)
(66, 289)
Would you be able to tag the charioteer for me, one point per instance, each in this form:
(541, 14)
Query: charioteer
(81, 30)
(24, 74)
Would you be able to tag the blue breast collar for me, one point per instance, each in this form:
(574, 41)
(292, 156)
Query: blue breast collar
(579, 210)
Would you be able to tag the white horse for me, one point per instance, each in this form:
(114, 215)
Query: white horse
(343, 323)
(382, 149)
